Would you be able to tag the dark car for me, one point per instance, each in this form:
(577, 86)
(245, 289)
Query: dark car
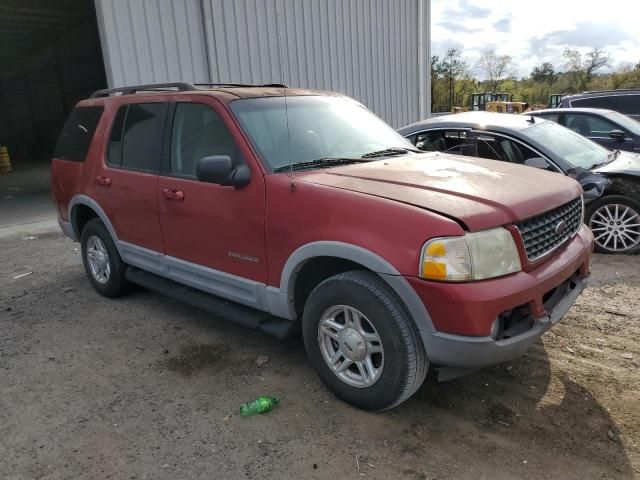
(611, 129)
(623, 101)
(610, 179)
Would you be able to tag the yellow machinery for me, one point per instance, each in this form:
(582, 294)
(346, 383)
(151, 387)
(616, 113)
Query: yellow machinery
(506, 107)
(5, 161)
(479, 101)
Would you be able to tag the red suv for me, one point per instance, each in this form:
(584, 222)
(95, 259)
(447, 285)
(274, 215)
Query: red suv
(283, 208)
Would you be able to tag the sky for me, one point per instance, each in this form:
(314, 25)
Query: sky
(536, 31)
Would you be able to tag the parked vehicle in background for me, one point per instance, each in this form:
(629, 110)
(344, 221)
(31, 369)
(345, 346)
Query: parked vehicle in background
(555, 99)
(283, 209)
(610, 179)
(626, 102)
(611, 129)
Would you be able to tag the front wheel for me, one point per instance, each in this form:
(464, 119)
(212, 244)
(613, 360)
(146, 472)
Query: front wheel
(615, 222)
(362, 342)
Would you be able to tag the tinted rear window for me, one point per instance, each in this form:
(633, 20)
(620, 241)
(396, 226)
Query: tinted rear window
(627, 104)
(77, 133)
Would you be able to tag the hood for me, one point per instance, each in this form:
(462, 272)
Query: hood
(627, 163)
(479, 193)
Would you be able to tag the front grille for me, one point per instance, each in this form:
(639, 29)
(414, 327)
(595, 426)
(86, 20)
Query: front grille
(541, 234)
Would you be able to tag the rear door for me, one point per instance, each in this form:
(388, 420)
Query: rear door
(125, 184)
(205, 224)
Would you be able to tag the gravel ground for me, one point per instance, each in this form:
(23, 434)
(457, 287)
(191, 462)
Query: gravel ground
(147, 387)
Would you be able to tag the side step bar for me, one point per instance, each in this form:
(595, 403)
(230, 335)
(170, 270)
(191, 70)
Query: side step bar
(245, 316)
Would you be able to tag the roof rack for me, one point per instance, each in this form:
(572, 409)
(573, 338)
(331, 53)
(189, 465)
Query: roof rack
(241, 85)
(153, 87)
(632, 89)
(180, 86)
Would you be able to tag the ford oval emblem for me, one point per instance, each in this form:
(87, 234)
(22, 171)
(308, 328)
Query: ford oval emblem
(561, 227)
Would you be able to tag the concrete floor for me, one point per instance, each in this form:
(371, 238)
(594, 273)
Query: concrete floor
(25, 197)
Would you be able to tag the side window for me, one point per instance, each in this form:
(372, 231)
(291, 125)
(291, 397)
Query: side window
(496, 147)
(553, 117)
(198, 131)
(451, 141)
(136, 136)
(599, 127)
(114, 150)
(588, 125)
(593, 102)
(632, 105)
(77, 132)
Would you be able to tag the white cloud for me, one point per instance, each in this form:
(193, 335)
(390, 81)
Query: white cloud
(535, 32)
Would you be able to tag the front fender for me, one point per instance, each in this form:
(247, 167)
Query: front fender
(282, 302)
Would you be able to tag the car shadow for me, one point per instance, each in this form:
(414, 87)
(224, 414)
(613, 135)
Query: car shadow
(534, 408)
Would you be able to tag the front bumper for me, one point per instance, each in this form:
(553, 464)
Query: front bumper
(462, 314)
(468, 352)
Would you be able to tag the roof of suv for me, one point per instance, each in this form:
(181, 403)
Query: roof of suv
(601, 93)
(225, 91)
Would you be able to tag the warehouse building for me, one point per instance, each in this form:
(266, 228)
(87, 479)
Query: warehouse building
(54, 53)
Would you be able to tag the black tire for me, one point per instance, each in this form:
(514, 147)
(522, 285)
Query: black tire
(405, 359)
(594, 222)
(116, 285)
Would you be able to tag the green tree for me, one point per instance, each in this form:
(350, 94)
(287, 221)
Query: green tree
(495, 66)
(584, 67)
(452, 68)
(544, 73)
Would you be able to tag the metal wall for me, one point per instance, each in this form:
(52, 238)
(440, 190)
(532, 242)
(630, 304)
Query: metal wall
(150, 41)
(376, 51)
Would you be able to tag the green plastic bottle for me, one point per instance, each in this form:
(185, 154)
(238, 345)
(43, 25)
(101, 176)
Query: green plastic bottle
(261, 404)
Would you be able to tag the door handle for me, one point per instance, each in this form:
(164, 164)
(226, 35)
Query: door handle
(104, 181)
(171, 194)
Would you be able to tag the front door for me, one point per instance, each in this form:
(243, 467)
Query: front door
(204, 224)
(597, 128)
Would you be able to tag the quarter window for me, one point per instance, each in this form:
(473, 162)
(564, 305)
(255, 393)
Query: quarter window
(135, 139)
(198, 131)
(75, 137)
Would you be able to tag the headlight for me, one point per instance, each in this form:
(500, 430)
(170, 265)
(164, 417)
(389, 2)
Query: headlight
(474, 256)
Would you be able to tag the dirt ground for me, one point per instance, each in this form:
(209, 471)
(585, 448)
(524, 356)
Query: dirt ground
(147, 387)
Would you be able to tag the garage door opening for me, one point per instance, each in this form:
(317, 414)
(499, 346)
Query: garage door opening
(50, 57)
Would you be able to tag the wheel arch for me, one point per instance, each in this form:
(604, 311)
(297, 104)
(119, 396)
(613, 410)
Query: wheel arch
(337, 257)
(82, 209)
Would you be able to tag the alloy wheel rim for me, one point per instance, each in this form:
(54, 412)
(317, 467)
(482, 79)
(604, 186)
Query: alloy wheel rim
(351, 346)
(616, 227)
(98, 260)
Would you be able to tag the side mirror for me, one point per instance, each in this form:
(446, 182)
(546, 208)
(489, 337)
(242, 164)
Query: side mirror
(617, 134)
(219, 169)
(537, 162)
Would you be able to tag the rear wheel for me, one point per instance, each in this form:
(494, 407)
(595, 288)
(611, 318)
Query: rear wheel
(362, 342)
(615, 222)
(102, 262)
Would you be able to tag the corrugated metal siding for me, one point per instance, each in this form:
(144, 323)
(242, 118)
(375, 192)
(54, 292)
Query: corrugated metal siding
(365, 49)
(150, 41)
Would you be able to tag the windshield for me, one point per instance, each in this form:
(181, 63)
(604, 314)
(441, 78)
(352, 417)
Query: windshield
(575, 149)
(318, 127)
(625, 122)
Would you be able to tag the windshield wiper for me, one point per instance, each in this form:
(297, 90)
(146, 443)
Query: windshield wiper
(387, 152)
(320, 162)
